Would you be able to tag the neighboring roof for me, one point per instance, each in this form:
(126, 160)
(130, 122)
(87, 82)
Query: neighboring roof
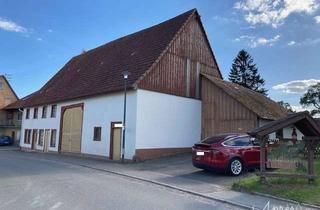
(99, 71)
(261, 105)
(5, 79)
(302, 120)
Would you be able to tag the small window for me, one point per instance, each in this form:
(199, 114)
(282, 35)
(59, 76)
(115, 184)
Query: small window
(9, 115)
(1, 86)
(53, 138)
(97, 134)
(198, 83)
(41, 136)
(27, 113)
(19, 116)
(44, 111)
(53, 111)
(27, 136)
(35, 113)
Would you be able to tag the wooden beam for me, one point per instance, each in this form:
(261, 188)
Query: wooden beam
(287, 175)
(263, 141)
(311, 148)
(311, 138)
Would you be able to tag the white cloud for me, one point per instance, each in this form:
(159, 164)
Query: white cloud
(299, 108)
(274, 12)
(253, 41)
(306, 42)
(317, 19)
(291, 43)
(296, 86)
(9, 25)
(39, 39)
(50, 30)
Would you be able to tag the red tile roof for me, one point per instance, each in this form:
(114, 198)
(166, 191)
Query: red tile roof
(99, 71)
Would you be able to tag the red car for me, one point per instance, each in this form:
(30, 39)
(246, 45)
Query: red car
(230, 153)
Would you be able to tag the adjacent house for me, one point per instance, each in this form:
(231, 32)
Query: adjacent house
(10, 120)
(175, 95)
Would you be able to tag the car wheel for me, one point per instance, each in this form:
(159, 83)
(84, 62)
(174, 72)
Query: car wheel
(235, 167)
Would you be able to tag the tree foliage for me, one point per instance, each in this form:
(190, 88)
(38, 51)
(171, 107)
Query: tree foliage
(244, 72)
(286, 105)
(312, 99)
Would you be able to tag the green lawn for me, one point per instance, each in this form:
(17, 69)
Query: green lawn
(295, 189)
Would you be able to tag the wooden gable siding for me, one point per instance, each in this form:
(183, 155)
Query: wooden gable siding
(168, 75)
(223, 114)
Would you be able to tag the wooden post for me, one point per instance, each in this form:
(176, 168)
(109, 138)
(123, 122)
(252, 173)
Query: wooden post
(263, 141)
(311, 146)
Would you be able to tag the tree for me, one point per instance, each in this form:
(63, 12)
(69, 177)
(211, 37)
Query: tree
(244, 72)
(286, 105)
(312, 98)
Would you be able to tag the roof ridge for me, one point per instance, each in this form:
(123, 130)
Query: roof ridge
(136, 32)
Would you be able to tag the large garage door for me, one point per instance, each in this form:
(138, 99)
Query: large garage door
(71, 130)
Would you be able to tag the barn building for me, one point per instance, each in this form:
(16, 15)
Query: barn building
(176, 95)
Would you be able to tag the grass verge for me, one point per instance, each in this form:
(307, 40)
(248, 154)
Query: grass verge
(294, 189)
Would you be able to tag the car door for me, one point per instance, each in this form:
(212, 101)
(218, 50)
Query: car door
(247, 150)
(255, 155)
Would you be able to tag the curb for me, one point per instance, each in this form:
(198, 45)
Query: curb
(9, 149)
(171, 187)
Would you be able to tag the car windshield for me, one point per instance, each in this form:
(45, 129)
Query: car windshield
(214, 139)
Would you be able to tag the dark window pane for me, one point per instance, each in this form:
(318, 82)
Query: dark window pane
(44, 111)
(239, 142)
(53, 110)
(53, 138)
(97, 134)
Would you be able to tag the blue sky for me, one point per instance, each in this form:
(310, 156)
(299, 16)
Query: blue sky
(38, 37)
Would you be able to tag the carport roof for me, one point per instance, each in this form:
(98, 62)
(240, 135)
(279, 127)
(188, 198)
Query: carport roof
(302, 120)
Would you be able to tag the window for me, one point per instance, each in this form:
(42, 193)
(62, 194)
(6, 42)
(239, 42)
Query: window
(9, 115)
(44, 111)
(238, 142)
(41, 136)
(53, 111)
(19, 116)
(35, 113)
(198, 81)
(188, 76)
(279, 134)
(1, 86)
(97, 134)
(27, 136)
(53, 138)
(27, 113)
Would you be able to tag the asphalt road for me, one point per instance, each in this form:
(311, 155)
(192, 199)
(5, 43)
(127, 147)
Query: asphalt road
(32, 182)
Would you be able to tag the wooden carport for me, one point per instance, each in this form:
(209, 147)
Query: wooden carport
(308, 127)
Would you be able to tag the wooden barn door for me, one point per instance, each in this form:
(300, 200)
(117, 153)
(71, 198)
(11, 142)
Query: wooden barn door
(71, 129)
